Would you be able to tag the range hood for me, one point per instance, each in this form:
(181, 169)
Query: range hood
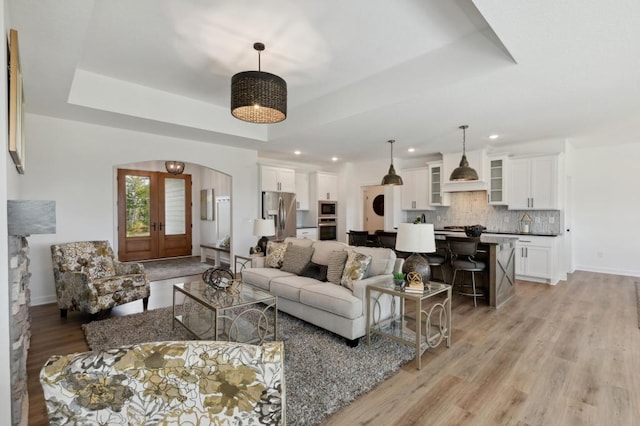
(473, 185)
(477, 160)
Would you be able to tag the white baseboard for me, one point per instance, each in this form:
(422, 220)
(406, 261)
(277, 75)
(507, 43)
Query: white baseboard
(609, 271)
(43, 300)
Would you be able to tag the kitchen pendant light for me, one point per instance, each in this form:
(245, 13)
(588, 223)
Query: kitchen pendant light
(463, 172)
(391, 178)
(258, 96)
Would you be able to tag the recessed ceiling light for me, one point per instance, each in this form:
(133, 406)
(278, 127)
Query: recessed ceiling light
(334, 158)
(494, 136)
(411, 150)
(297, 152)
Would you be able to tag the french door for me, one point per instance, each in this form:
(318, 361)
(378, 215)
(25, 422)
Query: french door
(154, 215)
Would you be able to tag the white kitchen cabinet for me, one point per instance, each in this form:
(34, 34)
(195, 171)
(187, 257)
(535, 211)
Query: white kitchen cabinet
(277, 179)
(302, 191)
(533, 183)
(308, 233)
(497, 168)
(436, 196)
(324, 185)
(414, 190)
(535, 258)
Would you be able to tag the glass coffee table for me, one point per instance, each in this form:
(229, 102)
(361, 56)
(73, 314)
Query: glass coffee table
(250, 316)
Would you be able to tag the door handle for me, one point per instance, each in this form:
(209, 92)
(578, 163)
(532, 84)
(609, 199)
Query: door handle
(153, 226)
(160, 228)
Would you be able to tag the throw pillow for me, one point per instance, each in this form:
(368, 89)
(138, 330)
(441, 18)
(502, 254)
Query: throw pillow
(354, 269)
(335, 266)
(275, 254)
(314, 270)
(296, 258)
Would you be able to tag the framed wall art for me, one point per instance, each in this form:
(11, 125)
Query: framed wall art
(16, 104)
(207, 201)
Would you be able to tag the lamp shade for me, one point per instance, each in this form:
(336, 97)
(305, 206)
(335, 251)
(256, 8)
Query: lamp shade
(258, 97)
(416, 238)
(264, 228)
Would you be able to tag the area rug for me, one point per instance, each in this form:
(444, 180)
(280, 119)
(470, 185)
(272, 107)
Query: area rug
(165, 269)
(322, 374)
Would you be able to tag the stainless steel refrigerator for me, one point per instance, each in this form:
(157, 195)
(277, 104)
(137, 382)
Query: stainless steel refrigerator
(281, 207)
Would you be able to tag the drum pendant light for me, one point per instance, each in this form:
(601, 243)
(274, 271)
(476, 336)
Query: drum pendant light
(463, 172)
(391, 178)
(258, 96)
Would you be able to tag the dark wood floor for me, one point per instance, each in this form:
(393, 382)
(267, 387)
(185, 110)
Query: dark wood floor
(555, 355)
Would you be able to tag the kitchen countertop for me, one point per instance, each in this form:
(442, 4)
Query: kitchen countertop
(484, 239)
(535, 234)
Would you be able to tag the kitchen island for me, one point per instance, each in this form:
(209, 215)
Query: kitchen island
(498, 253)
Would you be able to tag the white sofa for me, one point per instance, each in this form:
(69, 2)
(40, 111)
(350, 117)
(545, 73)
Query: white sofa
(325, 304)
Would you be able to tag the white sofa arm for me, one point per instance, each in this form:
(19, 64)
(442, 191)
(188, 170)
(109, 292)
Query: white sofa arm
(397, 268)
(360, 287)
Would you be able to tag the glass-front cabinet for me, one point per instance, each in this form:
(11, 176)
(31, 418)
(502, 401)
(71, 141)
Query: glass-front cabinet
(436, 196)
(497, 194)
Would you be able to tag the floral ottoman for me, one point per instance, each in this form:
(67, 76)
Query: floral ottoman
(183, 382)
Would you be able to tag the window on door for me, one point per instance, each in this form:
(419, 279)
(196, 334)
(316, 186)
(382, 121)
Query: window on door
(154, 215)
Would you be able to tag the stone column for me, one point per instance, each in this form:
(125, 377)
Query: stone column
(20, 327)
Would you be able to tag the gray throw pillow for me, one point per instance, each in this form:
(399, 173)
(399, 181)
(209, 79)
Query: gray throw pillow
(296, 258)
(335, 266)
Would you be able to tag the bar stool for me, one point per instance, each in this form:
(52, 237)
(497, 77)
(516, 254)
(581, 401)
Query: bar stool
(462, 252)
(439, 261)
(358, 238)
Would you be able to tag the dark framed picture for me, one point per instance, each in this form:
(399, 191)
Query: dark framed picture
(16, 104)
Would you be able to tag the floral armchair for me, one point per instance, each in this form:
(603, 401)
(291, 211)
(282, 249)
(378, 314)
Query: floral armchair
(168, 383)
(88, 278)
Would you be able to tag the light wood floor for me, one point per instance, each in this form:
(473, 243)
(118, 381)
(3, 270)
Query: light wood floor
(555, 355)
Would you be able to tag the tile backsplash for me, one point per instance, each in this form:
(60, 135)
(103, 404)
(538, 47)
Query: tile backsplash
(471, 208)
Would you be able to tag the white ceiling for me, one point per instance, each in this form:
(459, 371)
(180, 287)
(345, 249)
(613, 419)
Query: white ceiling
(359, 72)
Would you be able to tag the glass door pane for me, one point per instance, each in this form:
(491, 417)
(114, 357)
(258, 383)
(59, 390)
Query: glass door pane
(174, 206)
(138, 204)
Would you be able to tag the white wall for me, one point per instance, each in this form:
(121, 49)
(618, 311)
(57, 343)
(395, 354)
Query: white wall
(352, 177)
(73, 163)
(606, 205)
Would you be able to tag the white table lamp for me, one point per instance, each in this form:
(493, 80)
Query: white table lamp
(263, 228)
(416, 238)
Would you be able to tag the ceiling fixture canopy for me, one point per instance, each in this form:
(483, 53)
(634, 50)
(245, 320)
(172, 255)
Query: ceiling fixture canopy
(174, 167)
(258, 96)
(463, 172)
(391, 178)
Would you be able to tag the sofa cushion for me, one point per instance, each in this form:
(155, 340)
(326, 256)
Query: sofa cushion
(290, 287)
(335, 266)
(313, 270)
(296, 258)
(261, 277)
(275, 254)
(354, 269)
(332, 298)
(323, 249)
(382, 260)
